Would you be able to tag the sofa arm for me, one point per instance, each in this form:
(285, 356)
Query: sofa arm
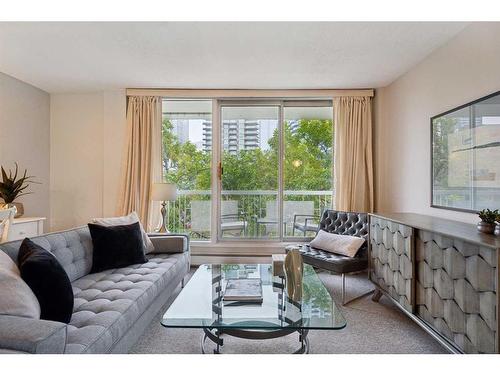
(169, 243)
(19, 334)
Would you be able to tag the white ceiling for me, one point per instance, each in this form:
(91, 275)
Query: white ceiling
(80, 57)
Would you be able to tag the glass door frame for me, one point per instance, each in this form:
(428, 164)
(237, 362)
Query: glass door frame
(248, 103)
(217, 149)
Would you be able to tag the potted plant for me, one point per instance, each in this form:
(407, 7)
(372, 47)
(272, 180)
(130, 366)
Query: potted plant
(12, 187)
(487, 223)
(497, 227)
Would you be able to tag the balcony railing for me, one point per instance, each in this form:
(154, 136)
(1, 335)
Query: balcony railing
(255, 211)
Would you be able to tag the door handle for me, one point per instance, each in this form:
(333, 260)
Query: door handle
(219, 171)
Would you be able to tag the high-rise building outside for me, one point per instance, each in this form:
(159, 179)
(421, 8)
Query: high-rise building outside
(180, 128)
(237, 135)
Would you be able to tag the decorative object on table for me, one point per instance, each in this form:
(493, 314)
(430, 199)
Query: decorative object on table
(163, 192)
(487, 223)
(293, 247)
(497, 227)
(294, 267)
(278, 265)
(12, 187)
(243, 291)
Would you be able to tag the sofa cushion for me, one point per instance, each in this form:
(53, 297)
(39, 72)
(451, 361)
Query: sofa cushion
(37, 336)
(169, 243)
(109, 302)
(124, 220)
(116, 246)
(333, 262)
(72, 248)
(16, 297)
(48, 281)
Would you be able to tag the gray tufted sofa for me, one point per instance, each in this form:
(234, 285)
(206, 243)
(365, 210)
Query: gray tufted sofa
(343, 223)
(112, 308)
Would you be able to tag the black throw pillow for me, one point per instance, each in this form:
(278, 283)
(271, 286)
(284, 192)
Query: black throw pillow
(116, 246)
(47, 279)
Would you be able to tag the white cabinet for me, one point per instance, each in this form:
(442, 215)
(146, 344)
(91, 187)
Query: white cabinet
(25, 227)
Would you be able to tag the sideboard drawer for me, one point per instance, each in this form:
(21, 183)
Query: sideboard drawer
(21, 230)
(456, 290)
(392, 260)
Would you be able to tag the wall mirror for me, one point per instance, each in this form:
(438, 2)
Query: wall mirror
(465, 156)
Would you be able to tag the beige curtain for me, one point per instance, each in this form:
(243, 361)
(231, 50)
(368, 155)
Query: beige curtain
(142, 161)
(353, 165)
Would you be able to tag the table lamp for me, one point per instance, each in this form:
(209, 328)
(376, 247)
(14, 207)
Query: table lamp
(163, 192)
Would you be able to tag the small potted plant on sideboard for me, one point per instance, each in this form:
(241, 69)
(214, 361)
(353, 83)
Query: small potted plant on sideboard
(497, 227)
(12, 187)
(487, 223)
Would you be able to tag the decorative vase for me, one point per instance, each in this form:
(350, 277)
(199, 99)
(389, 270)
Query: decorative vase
(497, 230)
(13, 205)
(19, 208)
(484, 227)
(294, 267)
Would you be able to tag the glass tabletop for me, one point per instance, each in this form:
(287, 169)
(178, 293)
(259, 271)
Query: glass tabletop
(201, 304)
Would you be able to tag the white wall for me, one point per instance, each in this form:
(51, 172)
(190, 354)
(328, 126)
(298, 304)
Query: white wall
(87, 138)
(466, 68)
(25, 139)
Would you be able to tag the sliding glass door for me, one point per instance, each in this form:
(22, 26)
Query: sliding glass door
(307, 166)
(275, 169)
(249, 171)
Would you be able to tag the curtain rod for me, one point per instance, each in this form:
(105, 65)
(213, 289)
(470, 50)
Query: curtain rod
(240, 93)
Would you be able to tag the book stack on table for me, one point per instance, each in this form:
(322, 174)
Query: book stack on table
(243, 291)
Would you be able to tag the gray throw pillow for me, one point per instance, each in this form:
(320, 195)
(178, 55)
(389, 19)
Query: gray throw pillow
(16, 297)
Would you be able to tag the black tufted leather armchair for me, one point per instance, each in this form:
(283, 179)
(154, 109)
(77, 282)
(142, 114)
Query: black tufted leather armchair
(344, 223)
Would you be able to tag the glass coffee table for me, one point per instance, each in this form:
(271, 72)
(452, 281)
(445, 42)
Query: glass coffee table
(200, 305)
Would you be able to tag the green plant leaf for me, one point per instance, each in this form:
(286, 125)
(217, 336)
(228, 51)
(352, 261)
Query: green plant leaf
(4, 175)
(12, 187)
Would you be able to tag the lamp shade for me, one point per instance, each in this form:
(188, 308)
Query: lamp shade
(163, 192)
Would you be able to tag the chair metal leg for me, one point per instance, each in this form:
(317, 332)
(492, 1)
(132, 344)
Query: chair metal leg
(343, 289)
(182, 282)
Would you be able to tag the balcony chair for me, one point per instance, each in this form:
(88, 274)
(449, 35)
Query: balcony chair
(298, 213)
(305, 223)
(232, 220)
(343, 223)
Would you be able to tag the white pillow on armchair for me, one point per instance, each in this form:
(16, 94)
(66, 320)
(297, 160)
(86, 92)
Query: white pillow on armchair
(337, 243)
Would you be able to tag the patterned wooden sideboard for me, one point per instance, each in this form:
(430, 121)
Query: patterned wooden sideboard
(442, 273)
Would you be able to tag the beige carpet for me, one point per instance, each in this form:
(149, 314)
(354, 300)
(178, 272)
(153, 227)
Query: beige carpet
(371, 328)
